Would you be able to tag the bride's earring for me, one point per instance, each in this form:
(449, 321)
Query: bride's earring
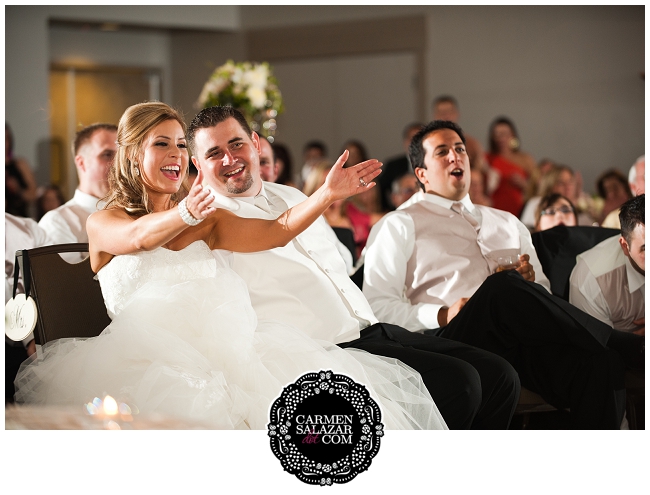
(137, 170)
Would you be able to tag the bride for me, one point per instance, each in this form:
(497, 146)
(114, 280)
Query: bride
(184, 339)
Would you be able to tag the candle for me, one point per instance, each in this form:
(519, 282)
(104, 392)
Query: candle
(110, 412)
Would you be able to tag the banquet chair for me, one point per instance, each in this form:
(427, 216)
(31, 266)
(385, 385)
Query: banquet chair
(346, 237)
(557, 249)
(357, 277)
(68, 299)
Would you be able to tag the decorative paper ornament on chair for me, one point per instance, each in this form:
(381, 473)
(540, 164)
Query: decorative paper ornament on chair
(249, 87)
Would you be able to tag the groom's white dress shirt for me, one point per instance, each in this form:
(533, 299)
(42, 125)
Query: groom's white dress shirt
(426, 256)
(67, 223)
(305, 283)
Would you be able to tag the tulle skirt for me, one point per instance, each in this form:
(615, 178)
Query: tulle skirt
(195, 351)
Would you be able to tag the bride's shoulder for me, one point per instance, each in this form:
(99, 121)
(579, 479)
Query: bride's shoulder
(100, 217)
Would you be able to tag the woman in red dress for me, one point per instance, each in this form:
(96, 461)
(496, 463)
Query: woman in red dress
(514, 166)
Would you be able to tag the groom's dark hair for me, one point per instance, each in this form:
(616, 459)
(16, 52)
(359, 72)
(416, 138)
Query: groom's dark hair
(210, 117)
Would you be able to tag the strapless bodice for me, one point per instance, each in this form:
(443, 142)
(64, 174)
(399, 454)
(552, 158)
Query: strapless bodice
(125, 274)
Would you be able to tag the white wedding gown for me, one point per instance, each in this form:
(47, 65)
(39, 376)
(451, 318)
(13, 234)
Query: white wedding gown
(185, 342)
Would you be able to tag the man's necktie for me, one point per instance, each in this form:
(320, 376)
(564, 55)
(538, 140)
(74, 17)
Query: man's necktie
(261, 203)
(460, 209)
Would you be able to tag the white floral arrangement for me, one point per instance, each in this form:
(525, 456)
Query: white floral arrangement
(249, 87)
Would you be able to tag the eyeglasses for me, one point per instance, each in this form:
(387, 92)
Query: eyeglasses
(562, 209)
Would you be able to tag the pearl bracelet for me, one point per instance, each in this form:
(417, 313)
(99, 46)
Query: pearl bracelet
(186, 215)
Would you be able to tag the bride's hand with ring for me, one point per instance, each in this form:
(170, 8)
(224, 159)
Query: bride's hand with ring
(199, 199)
(343, 182)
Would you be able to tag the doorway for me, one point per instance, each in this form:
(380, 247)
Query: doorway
(84, 96)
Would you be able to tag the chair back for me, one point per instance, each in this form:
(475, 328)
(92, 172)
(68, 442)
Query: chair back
(346, 236)
(68, 299)
(557, 249)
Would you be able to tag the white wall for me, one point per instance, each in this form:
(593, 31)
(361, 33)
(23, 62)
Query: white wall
(567, 76)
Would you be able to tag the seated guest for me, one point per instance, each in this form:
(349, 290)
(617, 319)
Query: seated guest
(93, 150)
(514, 166)
(396, 167)
(364, 209)
(608, 281)
(403, 188)
(636, 180)
(431, 268)
(268, 166)
(20, 183)
(553, 210)
(477, 191)
(364, 212)
(284, 163)
(544, 166)
(313, 152)
(50, 198)
(356, 152)
(613, 188)
(559, 179)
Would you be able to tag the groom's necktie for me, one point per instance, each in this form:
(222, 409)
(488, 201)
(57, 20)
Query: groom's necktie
(262, 203)
(460, 209)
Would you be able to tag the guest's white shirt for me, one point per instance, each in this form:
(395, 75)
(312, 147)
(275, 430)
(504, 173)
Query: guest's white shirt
(67, 223)
(305, 283)
(528, 213)
(605, 285)
(20, 233)
(390, 247)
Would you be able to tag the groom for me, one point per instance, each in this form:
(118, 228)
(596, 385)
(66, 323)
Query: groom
(305, 284)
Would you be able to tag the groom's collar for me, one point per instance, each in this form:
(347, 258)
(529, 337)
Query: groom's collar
(251, 199)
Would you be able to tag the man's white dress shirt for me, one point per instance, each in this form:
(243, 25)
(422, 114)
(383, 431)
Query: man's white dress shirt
(305, 283)
(67, 223)
(403, 296)
(605, 285)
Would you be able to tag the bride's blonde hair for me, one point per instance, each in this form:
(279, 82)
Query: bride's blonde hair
(126, 188)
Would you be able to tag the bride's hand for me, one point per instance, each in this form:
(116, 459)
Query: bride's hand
(343, 182)
(199, 199)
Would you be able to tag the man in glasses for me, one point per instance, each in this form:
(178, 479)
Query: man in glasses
(433, 268)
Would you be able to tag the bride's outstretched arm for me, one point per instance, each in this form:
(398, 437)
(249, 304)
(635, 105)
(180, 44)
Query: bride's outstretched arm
(246, 235)
(112, 232)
